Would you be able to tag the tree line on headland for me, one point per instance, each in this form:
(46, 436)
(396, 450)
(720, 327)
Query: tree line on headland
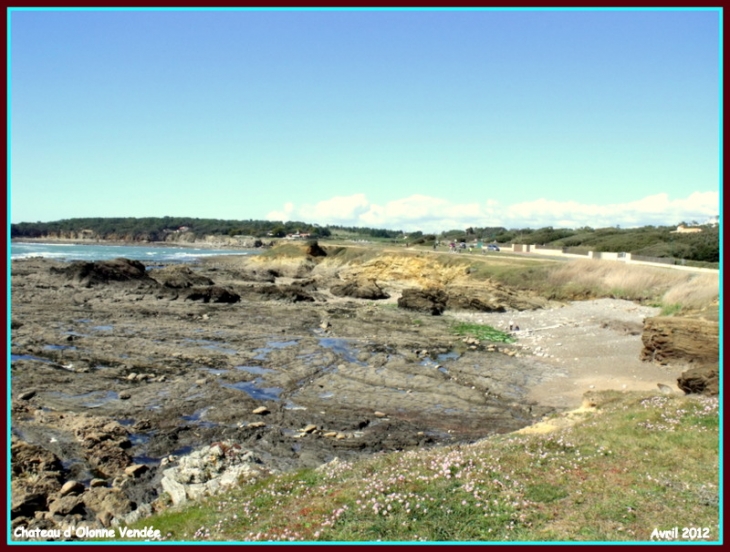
(653, 241)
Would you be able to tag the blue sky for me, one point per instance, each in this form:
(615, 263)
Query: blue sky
(415, 120)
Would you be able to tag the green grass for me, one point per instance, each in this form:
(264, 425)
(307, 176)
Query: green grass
(482, 332)
(641, 461)
(669, 310)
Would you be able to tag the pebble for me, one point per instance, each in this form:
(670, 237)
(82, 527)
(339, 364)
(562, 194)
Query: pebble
(72, 487)
(135, 470)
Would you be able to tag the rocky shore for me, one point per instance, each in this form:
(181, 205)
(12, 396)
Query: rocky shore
(133, 389)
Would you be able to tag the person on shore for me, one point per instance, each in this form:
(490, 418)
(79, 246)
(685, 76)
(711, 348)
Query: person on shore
(511, 325)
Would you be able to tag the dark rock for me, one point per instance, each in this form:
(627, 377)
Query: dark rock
(463, 302)
(490, 299)
(361, 289)
(102, 272)
(213, 294)
(27, 503)
(135, 470)
(103, 443)
(704, 380)
(180, 277)
(432, 301)
(27, 458)
(314, 250)
(67, 505)
(264, 275)
(27, 395)
(292, 293)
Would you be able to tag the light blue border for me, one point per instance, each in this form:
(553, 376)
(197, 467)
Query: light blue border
(369, 9)
(721, 174)
(10, 11)
(8, 389)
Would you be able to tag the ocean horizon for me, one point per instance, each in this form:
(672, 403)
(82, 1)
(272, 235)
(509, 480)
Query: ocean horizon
(102, 252)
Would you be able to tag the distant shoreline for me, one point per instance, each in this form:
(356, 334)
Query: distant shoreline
(199, 245)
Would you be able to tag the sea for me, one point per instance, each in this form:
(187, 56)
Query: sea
(163, 254)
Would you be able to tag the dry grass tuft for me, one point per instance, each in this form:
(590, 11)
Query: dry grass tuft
(670, 287)
(697, 292)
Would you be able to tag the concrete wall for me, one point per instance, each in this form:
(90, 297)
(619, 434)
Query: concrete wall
(602, 255)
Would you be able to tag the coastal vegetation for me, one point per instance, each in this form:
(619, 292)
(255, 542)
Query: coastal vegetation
(482, 332)
(674, 290)
(612, 476)
(650, 241)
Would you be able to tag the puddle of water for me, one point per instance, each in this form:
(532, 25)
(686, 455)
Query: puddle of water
(270, 346)
(212, 345)
(107, 328)
(76, 334)
(196, 417)
(255, 370)
(281, 344)
(291, 406)
(262, 353)
(91, 399)
(453, 355)
(254, 389)
(220, 349)
(216, 371)
(139, 439)
(443, 370)
(126, 421)
(19, 433)
(13, 358)
(327, 395)
(83, 320)
(342, 347)
(59, 348)
(182, 451)
(144, 459)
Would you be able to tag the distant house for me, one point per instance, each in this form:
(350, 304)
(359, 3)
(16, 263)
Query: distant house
(297, 236)
(183, 229)
(681, 229)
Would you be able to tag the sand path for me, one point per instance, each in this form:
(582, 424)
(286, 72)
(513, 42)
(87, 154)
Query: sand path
(596, 344)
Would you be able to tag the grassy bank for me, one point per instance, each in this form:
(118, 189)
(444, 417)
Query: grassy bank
(639, 462)
(673, 290)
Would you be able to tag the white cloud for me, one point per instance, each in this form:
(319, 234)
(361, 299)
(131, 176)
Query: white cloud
(336, 210)
(432, 214)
